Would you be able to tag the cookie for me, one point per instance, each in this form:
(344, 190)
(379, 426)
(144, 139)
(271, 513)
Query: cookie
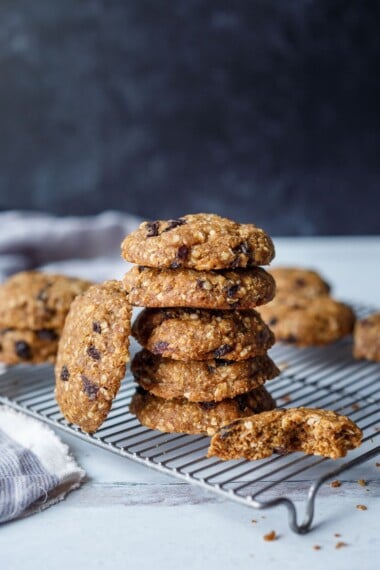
(35, 300)
(92, 354)
(19, 346)
(315, 432)
(242, 289)
(367, 338)
(297, 281)
(198, 241)
(183, 416)
(308, 321)
(199, 334)
(200, 381)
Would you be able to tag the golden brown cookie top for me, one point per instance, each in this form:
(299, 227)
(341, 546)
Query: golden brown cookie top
(198, 241)
(242, 289)
(308, 321)
(92, 355)
(313, 431)
(367, 338)
(36, 300)
(298, 281)
(200, 334)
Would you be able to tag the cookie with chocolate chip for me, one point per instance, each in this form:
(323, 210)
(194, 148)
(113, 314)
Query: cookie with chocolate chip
(198, 241)
(183, 416)
(239, 289)
(299, 282)
(201, 381)
(92, 354)
(367, 338)
(312, 431)
(200, 334)
(308, 321)
(35, 300)
(19, 346)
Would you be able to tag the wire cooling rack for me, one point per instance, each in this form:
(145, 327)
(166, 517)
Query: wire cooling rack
(315, 377)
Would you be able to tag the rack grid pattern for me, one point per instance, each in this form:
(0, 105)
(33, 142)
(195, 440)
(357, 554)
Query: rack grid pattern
(315, 377)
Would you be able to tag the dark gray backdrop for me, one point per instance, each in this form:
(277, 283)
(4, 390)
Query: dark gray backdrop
(261, 110)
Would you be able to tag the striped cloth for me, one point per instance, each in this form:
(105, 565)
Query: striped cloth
(36, 469)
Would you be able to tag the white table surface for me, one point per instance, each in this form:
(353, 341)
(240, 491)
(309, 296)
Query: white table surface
(127, 516)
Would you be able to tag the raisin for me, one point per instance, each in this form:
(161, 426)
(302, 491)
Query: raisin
(183, 252)
(65, 374)
(89, 388)
(241, 402)
(96, 327)
(231, 291)
(300, 282)
(222, 350)
(141, 268)
(140, 390)
(175, 264)
(160, 347)
(152, 229)
(47, 334)
(221, 362)
(174, 224)
(200, 283)
(23, 350)
(225, 432)
(206, 406)
(211, 369)
(93, 352)
(242, 247)
(273, 321)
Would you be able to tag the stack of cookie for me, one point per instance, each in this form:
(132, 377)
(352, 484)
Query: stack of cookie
(204, 360)
(33, 309)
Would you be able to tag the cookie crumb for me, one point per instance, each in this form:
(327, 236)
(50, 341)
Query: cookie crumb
(335, 483)
(362, 482)
(270, 536)
(254, 521)
(337, 534)
(283, 365)
(355, 406)
(377, 464)
(286, 398)
(341, 544)
(317, 547)
(361, 507)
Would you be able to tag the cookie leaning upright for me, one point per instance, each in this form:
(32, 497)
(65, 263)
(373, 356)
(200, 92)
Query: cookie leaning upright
(198, 241)
(92, 354)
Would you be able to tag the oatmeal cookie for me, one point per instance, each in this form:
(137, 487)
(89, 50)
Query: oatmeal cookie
(315, 432)
(19, 346)
(199, 334)
(198, 241)
(367, 338)
(298, 281)
(308, 321)
(183, 416)
(92, 354)
(242, 289)
(35, 300)
(201, 381)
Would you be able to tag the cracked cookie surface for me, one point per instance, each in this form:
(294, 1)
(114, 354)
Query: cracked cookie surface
(312, 431)
(36, 300)
(244, 289)
(198, 241)
(92, 354)
(200, 381)
(308, 321)
(367, 338)
(200, 334)
(183, 416)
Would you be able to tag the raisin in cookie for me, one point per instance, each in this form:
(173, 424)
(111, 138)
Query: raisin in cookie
(199, 334)
(183, 416)
(297, 281)
(243, 289)
(367, 338)
(315, 432)
(19, 346)
(308, 321)
(35, 300)
(201, 381)
(92, 354)
(198, 241)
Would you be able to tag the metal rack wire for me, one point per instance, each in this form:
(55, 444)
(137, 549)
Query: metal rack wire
(316, 377)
